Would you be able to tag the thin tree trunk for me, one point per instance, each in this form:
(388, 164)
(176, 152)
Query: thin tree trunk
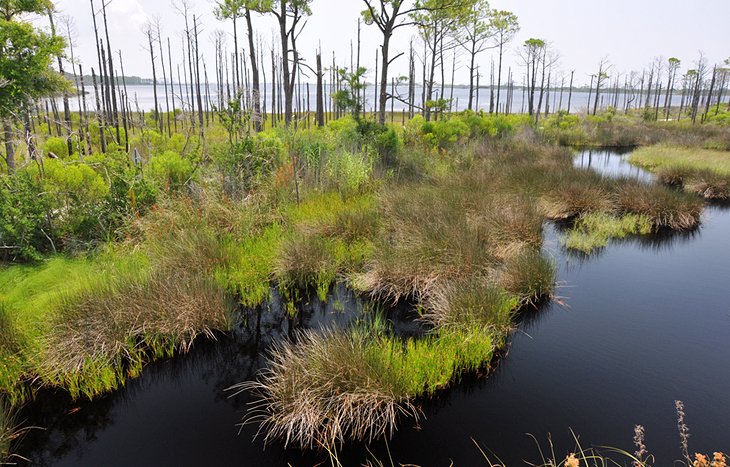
(9, 146)
(254, 75)
(99, 112)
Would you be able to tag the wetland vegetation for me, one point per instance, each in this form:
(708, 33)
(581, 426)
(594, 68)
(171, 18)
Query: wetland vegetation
(125, 242)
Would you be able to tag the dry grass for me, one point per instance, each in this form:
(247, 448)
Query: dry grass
(109, 330)
(326, 389)
(666, 208)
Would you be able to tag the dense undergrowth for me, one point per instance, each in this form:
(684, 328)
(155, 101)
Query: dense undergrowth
(111, 264)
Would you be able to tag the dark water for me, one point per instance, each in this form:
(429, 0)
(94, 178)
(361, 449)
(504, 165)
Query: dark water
(646, 322)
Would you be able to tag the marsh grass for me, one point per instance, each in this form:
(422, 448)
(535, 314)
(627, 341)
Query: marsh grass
(330, 387)
(704, 172)
(666, 208)
(108, 331)
(471, 303)
(596, 230)
(465, 245)
(529, 275)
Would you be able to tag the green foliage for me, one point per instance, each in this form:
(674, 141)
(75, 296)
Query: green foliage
(56, 146)
(349, 97)
(171, 170)
(245, 163)
(349, 173)
(26, 55)
(595, 230)
(24, 220)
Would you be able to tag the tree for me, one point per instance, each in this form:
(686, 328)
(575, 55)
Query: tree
(438, 20)
(289, 15)
(389, 15)
(233, 10)
(349, 97)
(533, 53)
(473, 35)
(26, 55)
(673, 66)
(600, 78)
(504, 24)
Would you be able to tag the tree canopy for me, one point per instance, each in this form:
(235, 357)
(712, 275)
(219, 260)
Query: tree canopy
(26, 55)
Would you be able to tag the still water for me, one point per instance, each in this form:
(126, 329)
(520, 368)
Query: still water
(141, 97)
(644, 322)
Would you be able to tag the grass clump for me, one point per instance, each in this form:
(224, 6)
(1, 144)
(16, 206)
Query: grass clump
(666, 208)
(251, 264)
(595, 230)
(529, 275)
(470, 304)
(704, 172)
(335, 386)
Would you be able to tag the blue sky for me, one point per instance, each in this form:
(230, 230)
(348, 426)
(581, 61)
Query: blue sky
(629, 33)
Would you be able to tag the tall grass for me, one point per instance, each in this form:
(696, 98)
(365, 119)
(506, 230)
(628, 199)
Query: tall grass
(330, 387)
(700, 171)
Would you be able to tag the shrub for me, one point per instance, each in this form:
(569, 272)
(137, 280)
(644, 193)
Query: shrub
(24, 208)
(170, 170)
(57, 146)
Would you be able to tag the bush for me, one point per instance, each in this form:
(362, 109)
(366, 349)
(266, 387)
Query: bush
(57, 146)
(170, 170)
(24, 207)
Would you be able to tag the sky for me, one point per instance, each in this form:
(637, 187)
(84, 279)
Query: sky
(628, 33)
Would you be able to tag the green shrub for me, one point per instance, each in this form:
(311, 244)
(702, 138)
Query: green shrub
(57, 146)
(170, 170)
(24, 208)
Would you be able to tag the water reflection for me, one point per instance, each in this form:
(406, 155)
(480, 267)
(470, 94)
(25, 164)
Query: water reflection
(76, 433)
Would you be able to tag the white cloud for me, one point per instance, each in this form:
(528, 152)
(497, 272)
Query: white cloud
(127, 15)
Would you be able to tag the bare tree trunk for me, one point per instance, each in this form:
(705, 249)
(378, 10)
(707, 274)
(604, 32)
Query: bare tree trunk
(164, 79)
(197, 80)
(66, 111)
(172, 84)
(112, 82)
(256, 92)
(570, 90)
(320, 93)
(154, 80)
(499, 72)
(709, 94)
(85, 117)
(99, 112)
(124, 116)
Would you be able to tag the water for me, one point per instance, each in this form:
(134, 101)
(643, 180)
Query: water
(142, 97)
(646, 322)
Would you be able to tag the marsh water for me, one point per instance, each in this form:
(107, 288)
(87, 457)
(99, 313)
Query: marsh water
(642, 323)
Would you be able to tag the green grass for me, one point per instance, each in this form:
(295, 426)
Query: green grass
(250, 273)
(87, 324)
(703, 172)
(597, 229)
(659, 156)
(30, 301)
(355, 385)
